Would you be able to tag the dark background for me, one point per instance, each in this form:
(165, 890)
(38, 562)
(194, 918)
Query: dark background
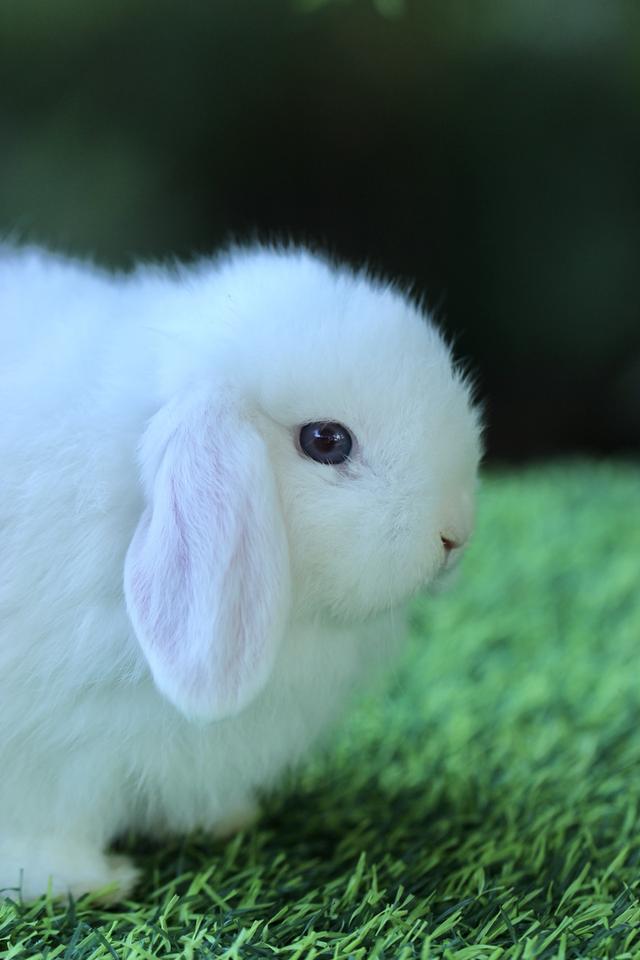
(489, 152)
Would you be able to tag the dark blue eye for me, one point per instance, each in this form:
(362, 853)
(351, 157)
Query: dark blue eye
(326, 442)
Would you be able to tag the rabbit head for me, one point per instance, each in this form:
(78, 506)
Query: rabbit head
(323, 466)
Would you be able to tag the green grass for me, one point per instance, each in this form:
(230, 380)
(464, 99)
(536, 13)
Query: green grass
(484, 805)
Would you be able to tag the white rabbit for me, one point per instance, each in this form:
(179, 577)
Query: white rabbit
(213, 479)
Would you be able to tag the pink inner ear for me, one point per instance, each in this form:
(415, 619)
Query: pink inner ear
(206, 574)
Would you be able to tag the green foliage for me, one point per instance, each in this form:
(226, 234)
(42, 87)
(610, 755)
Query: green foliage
(483, 806)
(388, 8)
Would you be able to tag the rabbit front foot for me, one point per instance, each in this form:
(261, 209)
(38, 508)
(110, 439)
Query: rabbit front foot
(241, 819)
(31, 868)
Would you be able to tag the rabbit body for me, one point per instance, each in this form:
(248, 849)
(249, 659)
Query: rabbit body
(186, 600)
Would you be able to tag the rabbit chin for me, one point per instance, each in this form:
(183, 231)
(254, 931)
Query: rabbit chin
(351, 601)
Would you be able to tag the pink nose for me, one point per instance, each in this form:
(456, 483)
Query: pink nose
(448, 544)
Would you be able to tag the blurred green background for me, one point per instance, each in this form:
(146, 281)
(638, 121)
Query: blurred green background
(489, 152)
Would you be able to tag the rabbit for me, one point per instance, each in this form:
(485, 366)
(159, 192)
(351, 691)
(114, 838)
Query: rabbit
(218, 481)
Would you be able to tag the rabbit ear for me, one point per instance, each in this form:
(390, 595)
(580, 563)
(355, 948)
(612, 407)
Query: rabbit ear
(206, 575)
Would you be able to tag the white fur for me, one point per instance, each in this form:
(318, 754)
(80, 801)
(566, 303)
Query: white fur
(154, 417)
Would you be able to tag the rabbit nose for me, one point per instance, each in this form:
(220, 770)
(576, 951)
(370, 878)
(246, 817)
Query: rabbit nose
(448, 543)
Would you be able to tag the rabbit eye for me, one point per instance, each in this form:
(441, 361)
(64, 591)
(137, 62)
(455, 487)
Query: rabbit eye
(326, 442)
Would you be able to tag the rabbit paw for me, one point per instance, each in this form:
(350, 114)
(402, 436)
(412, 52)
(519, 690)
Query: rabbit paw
(241, 819)
(31, 869)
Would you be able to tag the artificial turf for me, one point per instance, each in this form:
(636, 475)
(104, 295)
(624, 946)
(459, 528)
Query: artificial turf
(484, 803)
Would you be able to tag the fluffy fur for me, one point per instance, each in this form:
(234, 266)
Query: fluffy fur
(182, 592)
